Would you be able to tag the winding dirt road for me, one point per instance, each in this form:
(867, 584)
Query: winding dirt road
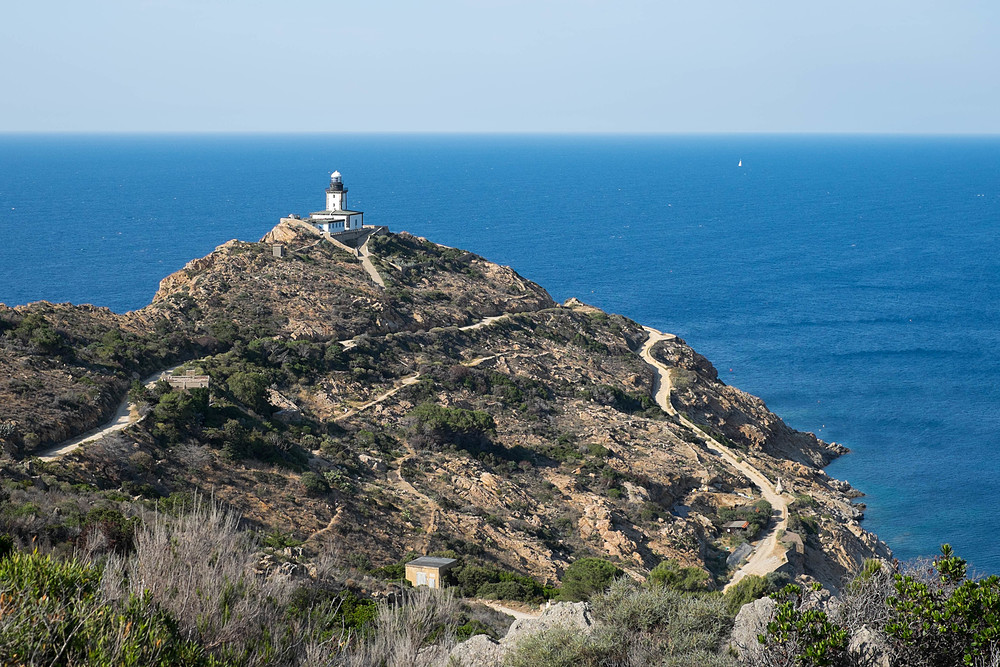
(122, 418)
(768, 554)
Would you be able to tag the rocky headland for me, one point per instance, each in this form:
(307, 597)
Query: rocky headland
(458, 409)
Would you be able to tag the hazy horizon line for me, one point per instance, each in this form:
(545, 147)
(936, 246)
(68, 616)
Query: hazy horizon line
(525, 133)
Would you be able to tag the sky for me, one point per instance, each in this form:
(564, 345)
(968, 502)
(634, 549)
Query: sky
(578, 66)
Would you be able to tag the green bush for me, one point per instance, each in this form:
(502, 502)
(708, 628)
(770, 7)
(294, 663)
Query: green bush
(462, 427)
(948, 622)
(808, 634)
(746, 590)
(757, 515)
(36, 330)
(623, 401)
(556, 647)
(637, 625)
(670, 574)
(392, 572)
(587, 576)
(52, 612)
(250, 389)
(495, 584)
(178, 414)
(329, 612)
(314, 484)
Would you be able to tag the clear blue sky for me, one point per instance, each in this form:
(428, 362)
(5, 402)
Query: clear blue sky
(910, 66)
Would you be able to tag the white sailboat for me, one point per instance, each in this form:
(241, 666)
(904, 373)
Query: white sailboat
(740, 164)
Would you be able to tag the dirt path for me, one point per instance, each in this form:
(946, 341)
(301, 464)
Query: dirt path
(661, 388)
(366, 262)
(484, 322)
(123, 414)
(518, 614)
(769, 554)
(122, 418)
(405, 382)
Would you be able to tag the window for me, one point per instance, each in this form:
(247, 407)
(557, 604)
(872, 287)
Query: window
(421, 578)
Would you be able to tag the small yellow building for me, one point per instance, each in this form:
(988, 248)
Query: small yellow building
(428, 570)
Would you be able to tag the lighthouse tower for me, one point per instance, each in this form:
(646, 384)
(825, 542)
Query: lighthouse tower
(337, 217)
(336, 194)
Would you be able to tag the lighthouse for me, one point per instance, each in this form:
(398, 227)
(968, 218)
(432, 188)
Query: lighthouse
(337, 217)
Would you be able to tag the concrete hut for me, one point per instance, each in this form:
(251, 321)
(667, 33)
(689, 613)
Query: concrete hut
(735, 526)
(428, 570)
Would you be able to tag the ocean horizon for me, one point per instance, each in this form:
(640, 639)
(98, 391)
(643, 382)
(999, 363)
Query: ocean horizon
(851, 281)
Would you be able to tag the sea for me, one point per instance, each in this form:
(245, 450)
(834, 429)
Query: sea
(852, 282)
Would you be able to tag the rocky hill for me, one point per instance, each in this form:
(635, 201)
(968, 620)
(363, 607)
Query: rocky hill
(458, 410)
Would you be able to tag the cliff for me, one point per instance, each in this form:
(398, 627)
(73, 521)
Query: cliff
(457, 410)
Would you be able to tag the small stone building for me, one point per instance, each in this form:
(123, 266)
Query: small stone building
(735, 526)
(187, 381)
(428, 570)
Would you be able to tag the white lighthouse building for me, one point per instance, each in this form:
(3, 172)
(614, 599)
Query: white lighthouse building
(337, 217)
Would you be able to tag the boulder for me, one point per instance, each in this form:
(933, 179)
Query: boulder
(750, 622)
(477, 651)
(481, 651)
(374, 464)
(575, 615)
(869, 647)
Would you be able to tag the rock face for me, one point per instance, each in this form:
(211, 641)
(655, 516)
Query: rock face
(751, 622)
(481, 651)
(833, 543)
(742, 418)
(869, 648)
(321, 291)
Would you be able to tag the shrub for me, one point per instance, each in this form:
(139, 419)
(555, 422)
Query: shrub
(757, 515)
(951, 621)
(746, 590)
(200, 568)
(392, 572)
(314, 484)
(496, 584)
(623, 401)
(179, 413)
(107, 529)
(328, 612)
(462, 427)
(37, 331)
(557, 647)
(670, 574)
(803, 635)
(250, 389)
(637, 626)
(55, 612)
(586, 576)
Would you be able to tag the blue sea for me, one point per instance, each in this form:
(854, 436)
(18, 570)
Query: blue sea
(851, 282)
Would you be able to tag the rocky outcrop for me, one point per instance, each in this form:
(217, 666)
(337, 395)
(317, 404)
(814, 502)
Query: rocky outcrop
(742, 418)
(320, 291)
(870, 648)
(481, 651)
(751, 622)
